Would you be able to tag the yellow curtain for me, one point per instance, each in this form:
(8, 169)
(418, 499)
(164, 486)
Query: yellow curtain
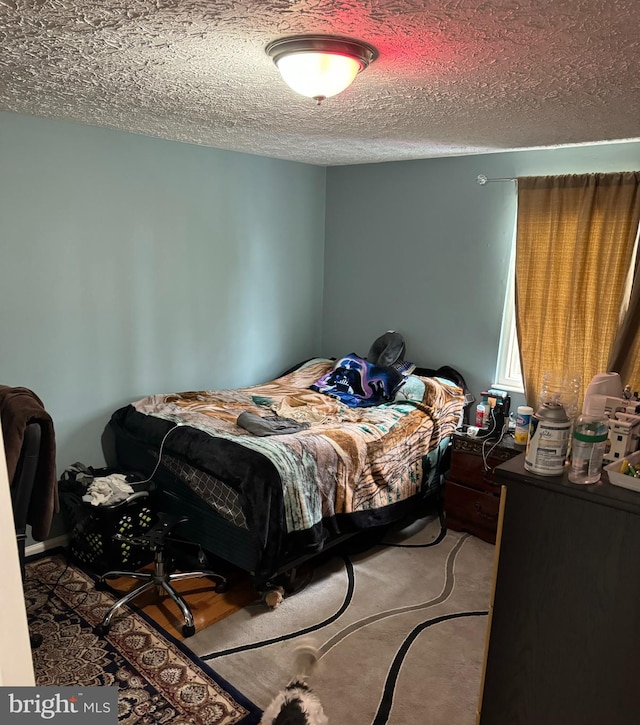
(574, 246)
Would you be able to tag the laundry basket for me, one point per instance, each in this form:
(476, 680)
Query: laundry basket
(92, 528)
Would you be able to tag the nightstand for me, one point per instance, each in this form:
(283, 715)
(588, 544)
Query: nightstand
(471, 492)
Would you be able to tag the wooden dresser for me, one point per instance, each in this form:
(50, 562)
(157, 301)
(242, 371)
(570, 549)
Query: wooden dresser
(564, 625)
(471, 493)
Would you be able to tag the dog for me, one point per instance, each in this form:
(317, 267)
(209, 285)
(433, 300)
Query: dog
(297, 704)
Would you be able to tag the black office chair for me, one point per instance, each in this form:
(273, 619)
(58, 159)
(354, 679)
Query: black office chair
(30, 452)
(21, 490)
(159, 538)
(22, 485)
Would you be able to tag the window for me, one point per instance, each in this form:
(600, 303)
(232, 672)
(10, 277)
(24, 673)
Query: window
(508, 371)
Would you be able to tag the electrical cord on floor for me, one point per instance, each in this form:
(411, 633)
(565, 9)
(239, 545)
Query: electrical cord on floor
(435, 542)
(56, 584)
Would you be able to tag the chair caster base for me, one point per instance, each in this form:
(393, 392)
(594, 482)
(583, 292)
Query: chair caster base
(159, 539)
(101, 629)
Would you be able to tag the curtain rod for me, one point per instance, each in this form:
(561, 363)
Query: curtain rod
(482, 179)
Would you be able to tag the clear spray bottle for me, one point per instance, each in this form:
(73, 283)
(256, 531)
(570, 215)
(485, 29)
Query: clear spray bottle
(590, 435)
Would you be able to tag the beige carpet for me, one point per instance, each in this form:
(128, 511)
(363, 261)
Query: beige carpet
(401, 630)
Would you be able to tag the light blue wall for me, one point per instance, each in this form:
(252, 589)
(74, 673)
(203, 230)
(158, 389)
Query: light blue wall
(420, 247)
(131, 265)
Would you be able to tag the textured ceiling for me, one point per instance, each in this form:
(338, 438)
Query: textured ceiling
(453, 76)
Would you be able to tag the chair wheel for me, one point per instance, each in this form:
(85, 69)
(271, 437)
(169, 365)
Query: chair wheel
(222, 587)
(100, 629)
(101, 585)
(188, 630)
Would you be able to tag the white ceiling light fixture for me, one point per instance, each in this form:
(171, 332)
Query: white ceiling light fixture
(320, 66)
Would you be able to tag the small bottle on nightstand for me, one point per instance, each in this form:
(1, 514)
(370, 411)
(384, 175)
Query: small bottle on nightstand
(483, 413)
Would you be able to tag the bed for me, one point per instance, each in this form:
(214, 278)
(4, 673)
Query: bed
(271, 474)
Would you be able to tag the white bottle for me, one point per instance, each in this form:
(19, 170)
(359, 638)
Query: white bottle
(523, 425)
(589, 441)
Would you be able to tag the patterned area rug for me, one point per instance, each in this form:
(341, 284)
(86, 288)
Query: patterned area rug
(400, 628)
(159, 680)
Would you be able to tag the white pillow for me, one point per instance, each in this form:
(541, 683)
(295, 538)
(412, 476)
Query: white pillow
(413, 389)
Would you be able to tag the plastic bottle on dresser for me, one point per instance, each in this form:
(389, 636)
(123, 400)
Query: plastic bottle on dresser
(563, 388)
(483, 410)
(590, 435)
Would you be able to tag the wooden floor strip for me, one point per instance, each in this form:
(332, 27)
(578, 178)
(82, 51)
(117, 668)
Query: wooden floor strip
(206, 605)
